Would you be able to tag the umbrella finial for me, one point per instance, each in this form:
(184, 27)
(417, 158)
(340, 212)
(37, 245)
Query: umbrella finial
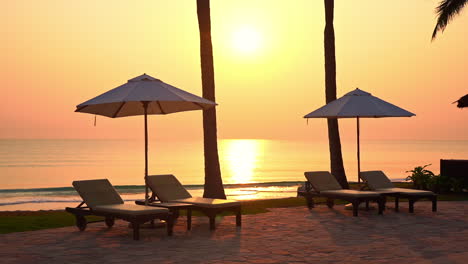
(143, 77)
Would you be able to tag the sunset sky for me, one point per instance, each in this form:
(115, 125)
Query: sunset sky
(269, 66)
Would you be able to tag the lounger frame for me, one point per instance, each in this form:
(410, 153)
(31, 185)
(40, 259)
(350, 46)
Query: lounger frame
(136, 220)
(309, 194)
(166, 188)
(412, 198)
(208, 211)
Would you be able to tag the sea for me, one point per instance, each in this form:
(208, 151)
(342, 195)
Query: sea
(36, 174)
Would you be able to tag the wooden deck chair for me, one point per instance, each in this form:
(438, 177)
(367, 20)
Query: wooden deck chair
(377, 181)
(102, 199)
(324, 184)
(168, 189)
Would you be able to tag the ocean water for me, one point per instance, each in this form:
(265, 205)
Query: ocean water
(36, 174)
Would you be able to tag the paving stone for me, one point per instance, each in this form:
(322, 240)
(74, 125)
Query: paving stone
(283, 235)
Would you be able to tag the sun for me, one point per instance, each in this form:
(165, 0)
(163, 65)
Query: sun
(246, 40)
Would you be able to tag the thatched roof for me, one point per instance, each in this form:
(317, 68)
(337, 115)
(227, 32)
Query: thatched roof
(462, 102)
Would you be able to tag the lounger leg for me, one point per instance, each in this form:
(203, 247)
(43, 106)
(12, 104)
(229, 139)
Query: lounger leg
(189, 219)
(355, 208)
(212, 221)
(310, 201)
(170, 224)
(397, 204)
(367, 205)
(411, 205)
(434, 204)
(330, 203)
(175, 213)
(381, 203)
(110, 221)
(81, 222)
(136, 230)
(239, 218)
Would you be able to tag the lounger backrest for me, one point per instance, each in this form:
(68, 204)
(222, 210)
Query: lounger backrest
(97, 192)
(167, 187)
(376, 180)
(322, 180)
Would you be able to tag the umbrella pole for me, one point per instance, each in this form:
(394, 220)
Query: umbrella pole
(358, 153)
(145, 106)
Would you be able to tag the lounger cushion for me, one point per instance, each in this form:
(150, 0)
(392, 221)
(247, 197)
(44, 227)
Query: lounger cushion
(379, 182)
(97, 192)
(350, 193)
(167, 187)
(322, 181)
(376, 179)
(406, 191)
(129, 209)
(208, 202)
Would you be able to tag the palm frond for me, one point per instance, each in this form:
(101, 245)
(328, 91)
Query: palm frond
(462, 102)
(446, 11)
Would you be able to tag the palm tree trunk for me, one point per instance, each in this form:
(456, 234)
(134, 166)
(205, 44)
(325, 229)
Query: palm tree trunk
(213, 187)
(336, 158)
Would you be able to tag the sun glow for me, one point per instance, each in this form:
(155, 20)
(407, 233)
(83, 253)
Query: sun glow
(246, 39)
(242, 156)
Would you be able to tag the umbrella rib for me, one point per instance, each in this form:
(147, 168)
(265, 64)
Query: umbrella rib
(78, 109)
(184, 99)
(160, 107)
(199, 105)
(118, 110)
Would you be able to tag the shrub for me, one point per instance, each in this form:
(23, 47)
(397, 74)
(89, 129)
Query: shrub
(420, 177)
(440, 184)
(456, 184)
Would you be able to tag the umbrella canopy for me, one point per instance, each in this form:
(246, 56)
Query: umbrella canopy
(143, 95)
(361, 104)
(358, 104)
(126, 100)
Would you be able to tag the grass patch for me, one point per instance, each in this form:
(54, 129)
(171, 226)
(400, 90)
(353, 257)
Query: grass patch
(9, 222)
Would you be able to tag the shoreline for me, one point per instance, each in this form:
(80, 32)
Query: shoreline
(133, 186)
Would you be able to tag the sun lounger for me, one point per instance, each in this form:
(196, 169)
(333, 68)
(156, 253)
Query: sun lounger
(168, 189)
(377, 181)
(324, 184)
(102, 199)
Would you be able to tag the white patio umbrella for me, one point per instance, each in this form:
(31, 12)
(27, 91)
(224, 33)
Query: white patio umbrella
(358, 104)
(143, 95)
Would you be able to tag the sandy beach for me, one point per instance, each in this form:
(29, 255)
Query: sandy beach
(283, 235)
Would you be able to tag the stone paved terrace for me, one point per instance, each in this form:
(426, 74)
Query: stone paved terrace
(284, 235)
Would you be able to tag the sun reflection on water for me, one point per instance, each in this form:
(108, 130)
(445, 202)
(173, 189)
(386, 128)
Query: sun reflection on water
(242, 158)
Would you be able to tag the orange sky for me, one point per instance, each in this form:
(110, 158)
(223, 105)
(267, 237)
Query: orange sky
(56, 54)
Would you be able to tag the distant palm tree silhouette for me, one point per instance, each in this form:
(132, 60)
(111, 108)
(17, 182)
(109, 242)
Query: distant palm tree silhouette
(213, 187)
(446, 11)
(336, 157)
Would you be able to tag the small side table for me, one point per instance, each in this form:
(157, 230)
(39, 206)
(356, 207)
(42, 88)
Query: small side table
(173, 208)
